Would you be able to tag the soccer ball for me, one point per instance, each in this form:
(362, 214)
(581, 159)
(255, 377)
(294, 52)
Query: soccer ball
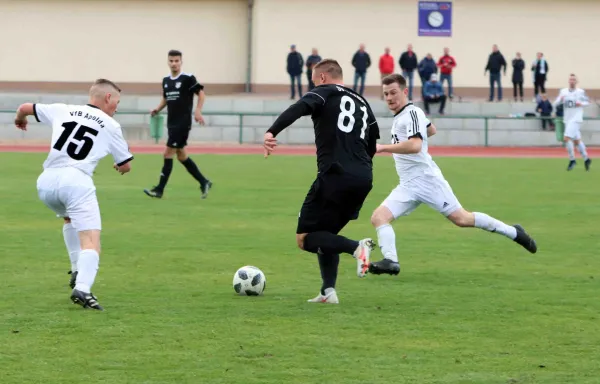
(249, 281)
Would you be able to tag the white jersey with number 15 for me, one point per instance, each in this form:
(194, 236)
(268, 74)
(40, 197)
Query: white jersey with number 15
(81, 136)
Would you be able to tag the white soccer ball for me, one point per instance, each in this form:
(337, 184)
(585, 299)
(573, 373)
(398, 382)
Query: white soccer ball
(249, 281)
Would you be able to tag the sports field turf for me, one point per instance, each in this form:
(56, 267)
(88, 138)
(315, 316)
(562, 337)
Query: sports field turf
(468, 307)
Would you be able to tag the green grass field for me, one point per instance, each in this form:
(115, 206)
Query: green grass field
(468, 307)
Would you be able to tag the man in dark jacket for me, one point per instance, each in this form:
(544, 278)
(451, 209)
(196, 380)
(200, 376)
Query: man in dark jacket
(495, 64)
(540, 70)
(361, 61)
(294, 69)
(408, 64)
(311, 60)
(427, 67)
(544, 108)
(517, 76)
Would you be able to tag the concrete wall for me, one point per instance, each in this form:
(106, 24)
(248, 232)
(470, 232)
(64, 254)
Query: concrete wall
(126, 40)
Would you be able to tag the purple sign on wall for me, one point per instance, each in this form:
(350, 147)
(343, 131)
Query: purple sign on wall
(435, 18)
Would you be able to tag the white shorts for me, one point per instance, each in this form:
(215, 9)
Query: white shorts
(431, 190)
(573, 130)
(70, 193)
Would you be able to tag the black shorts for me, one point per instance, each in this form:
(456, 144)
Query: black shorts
(332, 201)
(178, 136)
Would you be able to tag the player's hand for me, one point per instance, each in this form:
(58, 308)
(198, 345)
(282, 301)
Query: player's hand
(379, 148)
(154, 112)
(21, 123)
(578, 104)
(122, 169)
(269, 144)
(198, 117)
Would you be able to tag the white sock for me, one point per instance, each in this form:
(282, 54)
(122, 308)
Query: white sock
(582, 150)
(490, 224)
(571, 150)
(72, 242)
(387, 242)
(87, 265)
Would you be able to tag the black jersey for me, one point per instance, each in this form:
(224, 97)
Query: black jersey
(179, 93)
(346, 131)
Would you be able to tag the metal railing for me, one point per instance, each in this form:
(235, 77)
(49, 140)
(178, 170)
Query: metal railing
(241, 115)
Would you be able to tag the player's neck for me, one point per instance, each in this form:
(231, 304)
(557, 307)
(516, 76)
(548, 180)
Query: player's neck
(175, 74)
(402, 106)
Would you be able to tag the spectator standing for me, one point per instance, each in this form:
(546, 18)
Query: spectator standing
(434, 93)
(311, 60)
(386, 66)
(361, 61)
(544, 108)
(408, 63)
(496, 63)
(518, 65)
(447, 64)
(295, 63)
(540, 70)
(427, 67)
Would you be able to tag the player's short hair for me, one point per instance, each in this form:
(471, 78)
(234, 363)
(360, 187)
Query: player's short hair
(329, 66)
(106, 83)
(394, 78)
(175, 53)
(572, 74)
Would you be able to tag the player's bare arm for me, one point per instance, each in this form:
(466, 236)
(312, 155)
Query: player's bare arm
(412, 145)
(287, 118)
(160, 107)
(198, 113)
(431, 130)
(23, 111)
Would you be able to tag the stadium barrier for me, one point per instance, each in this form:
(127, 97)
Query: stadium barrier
(155, 131)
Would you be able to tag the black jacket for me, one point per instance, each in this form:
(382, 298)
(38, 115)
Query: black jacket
(361, 62)
(295, 63)
(518, 66)
(408, 63)
(495, 63)
(536, 68)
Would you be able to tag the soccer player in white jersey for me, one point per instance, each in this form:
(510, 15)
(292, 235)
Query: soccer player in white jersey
(573, 100)
(421, 181)
(81, 136)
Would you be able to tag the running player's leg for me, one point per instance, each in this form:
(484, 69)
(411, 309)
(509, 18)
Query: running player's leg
(193, 170)
(84, 212)
(165, 173)
(400, 202)
(439, 195)
(581, 146)
(571, 133)
(73, 248)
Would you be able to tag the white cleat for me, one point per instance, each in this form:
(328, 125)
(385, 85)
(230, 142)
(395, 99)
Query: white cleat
(363, 256)
(330, 297)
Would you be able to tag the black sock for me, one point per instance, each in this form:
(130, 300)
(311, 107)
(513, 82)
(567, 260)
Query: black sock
(328, 243)
(164, 174)
(192, 168)
(329, 270)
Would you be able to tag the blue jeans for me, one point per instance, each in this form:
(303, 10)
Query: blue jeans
(409, 76)
(297, 79)
(359, 75)
(495, 78)
(449, 79)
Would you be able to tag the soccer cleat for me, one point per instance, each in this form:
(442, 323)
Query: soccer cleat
(329, 297)
(205, 188)
(154, 192)
(524, 240)
(572, 164)
(384, 266)
(86, 300)
(363, 255)
(587, 163)
(73, 279)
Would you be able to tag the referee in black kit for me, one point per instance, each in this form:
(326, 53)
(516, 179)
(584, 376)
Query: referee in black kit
(179, 89)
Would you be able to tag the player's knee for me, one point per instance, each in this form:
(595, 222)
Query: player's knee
(169, 153)
(381, 216)
(300, 240)
(462, 218)
(67, 220)
(576, 142)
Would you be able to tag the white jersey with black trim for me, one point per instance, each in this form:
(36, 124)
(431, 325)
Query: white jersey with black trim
(569, 98)
(409, 122)
(81, 136)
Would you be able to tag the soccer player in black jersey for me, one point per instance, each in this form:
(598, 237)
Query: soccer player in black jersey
(178, 96)
(346, 134)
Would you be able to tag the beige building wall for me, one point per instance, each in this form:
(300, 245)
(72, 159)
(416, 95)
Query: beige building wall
(566, 32)
(124, 40)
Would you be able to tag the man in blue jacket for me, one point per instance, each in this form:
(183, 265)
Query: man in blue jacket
(434, 93)
(295, 62)
(361, 61)
(427, 67)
